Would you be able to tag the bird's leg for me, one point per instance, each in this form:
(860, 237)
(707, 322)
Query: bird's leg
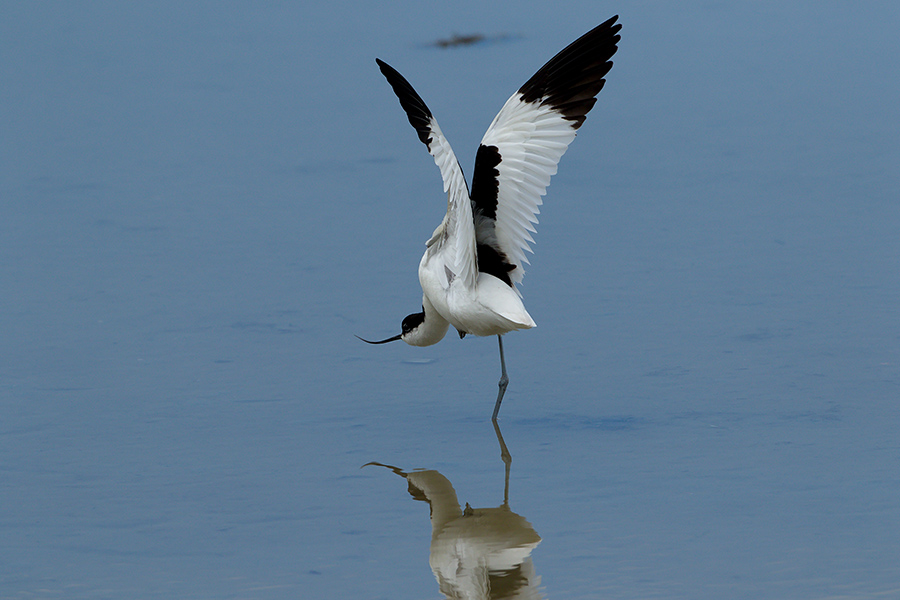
(504, 380)
(506, 457)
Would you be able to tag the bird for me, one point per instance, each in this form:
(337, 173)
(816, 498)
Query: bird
(475, 258)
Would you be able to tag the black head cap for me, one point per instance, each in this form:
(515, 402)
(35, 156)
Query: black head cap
(412, 321)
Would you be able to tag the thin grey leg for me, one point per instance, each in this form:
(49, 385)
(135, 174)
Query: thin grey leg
(504, 380)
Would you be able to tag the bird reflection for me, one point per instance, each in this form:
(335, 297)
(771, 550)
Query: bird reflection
(476, 553)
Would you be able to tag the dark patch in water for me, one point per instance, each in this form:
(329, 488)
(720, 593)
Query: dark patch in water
(460, 40)
(470, 39)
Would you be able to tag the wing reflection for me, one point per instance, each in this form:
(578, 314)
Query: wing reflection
(477, 553)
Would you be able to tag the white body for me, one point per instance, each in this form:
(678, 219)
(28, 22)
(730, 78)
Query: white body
(489, 308)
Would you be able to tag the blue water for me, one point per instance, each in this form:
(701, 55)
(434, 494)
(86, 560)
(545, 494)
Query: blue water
(201, 204)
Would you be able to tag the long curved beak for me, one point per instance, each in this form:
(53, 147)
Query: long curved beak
(391, 339)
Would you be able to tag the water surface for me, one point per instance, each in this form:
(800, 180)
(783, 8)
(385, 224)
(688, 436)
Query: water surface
(201, 205)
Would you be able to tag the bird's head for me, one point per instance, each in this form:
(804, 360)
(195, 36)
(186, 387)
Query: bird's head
(407, 330)
(415, 330)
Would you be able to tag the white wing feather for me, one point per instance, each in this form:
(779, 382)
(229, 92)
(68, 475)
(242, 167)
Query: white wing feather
(454, 239)
(531, 138)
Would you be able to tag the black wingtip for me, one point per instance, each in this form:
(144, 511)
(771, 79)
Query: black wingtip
(571, 80)
(416, 111)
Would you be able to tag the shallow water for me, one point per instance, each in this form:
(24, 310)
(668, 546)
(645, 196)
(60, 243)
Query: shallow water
(202, 205)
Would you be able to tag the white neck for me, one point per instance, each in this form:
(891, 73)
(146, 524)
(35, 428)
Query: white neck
(431, 330)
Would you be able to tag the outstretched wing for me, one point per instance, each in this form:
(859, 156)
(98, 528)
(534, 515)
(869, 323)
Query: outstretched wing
(455, 237)
(522, 147)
